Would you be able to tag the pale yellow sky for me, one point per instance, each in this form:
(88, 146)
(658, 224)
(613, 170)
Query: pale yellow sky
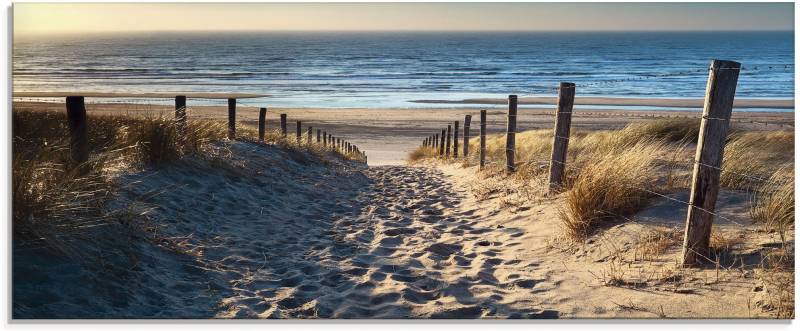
(33, 18)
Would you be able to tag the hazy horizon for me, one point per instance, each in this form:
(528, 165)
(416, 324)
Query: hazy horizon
(60, 18)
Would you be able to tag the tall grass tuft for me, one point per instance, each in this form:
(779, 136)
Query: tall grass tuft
(751, 156)
(773, 203)
(611, 186)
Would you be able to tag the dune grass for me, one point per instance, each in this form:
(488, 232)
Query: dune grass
(612, 174)
(773, 203)
(52, 200)
(751, 157)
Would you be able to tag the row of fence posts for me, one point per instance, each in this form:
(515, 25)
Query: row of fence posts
(79, 140)
(717, 109)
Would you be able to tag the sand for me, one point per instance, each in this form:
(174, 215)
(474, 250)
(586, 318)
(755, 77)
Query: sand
(611, 101)
(252, 231)
(387, 135)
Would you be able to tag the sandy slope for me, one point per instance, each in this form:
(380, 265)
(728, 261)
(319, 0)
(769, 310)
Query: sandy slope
(256, 232)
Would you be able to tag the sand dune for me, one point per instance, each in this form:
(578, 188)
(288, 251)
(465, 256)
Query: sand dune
(252, 231)
(388, 135)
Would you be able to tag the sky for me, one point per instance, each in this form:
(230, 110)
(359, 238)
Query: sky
(51, 18)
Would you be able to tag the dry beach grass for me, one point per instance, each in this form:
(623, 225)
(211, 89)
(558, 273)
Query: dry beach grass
(241, 229)
(615, 181)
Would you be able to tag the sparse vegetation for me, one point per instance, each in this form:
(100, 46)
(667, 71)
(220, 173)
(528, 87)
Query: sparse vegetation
(51, 199)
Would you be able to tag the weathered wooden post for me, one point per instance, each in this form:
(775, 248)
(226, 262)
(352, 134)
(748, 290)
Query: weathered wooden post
(180, 115)
(283, 125)
(319, 136)
(483, 139)
(325, 138)
(435, 141)
(231, 118)
(298, 131)
(441, 142)
(78, 133)
(467, 120)
(455, 139)
(309, 135)
(262, 123)
(558, 157)
(447, 145)
(720, 90)
(511, 131)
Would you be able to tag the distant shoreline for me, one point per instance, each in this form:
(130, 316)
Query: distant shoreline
(621, 101)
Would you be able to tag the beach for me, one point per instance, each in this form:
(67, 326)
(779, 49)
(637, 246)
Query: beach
(387, 135)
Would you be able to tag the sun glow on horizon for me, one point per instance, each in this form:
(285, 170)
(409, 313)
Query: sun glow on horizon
(51, 18)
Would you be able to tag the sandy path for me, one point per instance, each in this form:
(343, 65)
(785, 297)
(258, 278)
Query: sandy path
(403, 249)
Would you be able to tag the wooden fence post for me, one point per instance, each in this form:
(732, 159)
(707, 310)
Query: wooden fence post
(298, 131)
(435, 141)
(325, 138)
(262, 123)
(319, 136)
(447, 145)
(309, 135)
(441, 143)
(511, 132)
(455, 139)
(283, 125)
(231, 118)
(483, 139)
(180, 115)
(78, 133)
(558, 157)
(720, 90)
(467, 120)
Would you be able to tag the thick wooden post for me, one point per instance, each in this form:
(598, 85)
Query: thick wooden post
(447, 145)
(511, 131)
(483, 139)
(467, 120)
(319, 136)
(441, 143)
(435, 141)
(180, 115)
(455, 139)
(309, 134)
(78, 133)
(262, 123)
(325, 138)
(283, 125)
(720, 90)
(231, 118)
(298, 131)
(558, 157)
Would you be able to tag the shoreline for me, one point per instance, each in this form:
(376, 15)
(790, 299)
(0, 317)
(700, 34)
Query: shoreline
(622, 101)
(593, 102)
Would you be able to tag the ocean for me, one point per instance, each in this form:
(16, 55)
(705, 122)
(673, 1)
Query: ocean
(392, 69)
